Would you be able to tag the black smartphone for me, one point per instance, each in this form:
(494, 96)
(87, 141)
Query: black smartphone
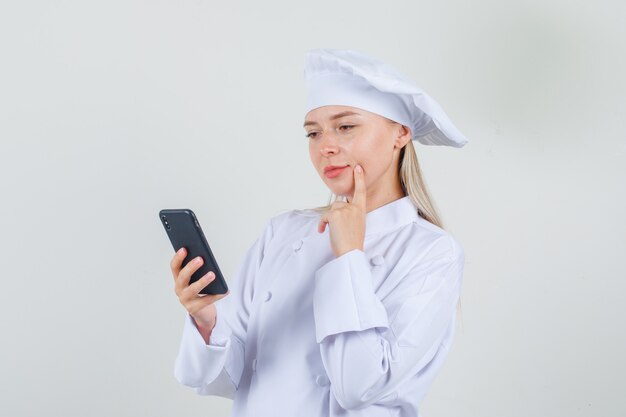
(183, 229)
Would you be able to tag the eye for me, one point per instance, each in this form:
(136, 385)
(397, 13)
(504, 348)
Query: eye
(310, 135)
(346, 126)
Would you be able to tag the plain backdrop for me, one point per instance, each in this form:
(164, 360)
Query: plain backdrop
(113, 110)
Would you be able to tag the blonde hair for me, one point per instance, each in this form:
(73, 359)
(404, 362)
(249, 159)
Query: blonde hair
(413, 185)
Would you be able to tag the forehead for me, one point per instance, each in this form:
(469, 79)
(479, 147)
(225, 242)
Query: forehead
(331, 113)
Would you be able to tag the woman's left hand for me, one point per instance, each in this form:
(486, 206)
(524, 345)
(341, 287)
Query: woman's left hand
(346, 220)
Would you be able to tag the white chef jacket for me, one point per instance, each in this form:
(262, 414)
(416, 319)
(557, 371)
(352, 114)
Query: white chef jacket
(305, 333)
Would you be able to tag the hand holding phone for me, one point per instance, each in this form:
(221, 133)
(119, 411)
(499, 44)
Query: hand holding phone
(200, 307)
(198, 279)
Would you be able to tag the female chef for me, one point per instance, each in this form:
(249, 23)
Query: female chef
(347, 309)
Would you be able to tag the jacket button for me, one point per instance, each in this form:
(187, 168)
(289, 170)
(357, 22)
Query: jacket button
(322, 380)
(254, 365)
(267, 295)
(297, 245)
(377, 260)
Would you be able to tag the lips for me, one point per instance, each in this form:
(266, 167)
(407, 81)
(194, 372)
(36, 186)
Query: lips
(331, 167)
(332, 173)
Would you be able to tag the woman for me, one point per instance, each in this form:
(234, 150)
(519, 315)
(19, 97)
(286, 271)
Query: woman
(347, 309)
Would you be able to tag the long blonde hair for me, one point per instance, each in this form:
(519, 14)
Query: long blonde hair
(413, 185)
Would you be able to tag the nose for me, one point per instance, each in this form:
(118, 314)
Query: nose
(328, 143)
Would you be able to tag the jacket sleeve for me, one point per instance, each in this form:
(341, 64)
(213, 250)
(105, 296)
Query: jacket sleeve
(366, 352)
(216, 368)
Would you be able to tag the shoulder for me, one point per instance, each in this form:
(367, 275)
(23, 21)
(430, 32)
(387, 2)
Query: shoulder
(426, 241)
(291, 220)
(425, 250)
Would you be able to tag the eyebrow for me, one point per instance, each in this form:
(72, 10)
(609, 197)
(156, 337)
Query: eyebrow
(336, 116)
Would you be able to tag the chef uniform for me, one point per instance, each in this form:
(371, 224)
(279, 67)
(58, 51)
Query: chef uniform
(305, 333)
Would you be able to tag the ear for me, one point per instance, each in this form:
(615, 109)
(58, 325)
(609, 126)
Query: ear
(403, 135)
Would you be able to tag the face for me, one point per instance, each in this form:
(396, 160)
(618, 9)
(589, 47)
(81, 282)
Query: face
(347, 136)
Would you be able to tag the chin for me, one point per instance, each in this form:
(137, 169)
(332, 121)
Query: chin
(341, 188)
(341, 191)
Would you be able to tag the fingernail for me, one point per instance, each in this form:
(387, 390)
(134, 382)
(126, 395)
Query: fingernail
(359, 169)
(180, 251)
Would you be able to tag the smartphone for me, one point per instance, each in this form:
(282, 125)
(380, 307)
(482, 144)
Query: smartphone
(183, 229)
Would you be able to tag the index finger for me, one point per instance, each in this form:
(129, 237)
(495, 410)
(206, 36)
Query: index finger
(360, 192)
(176, 262)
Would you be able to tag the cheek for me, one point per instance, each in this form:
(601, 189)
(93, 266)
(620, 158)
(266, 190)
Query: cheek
(375, 161)
(367, 153)
(313, 154)
(371, 168)
(316, 160)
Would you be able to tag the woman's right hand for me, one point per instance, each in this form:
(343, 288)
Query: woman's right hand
(199, 306)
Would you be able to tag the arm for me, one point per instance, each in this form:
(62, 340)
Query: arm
(367, 353)
(216, 368)
(205, 332)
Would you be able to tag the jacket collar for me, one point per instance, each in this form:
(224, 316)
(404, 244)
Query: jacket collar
(383, 219)
(390, 216)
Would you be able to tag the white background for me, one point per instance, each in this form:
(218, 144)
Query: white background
(113, 110)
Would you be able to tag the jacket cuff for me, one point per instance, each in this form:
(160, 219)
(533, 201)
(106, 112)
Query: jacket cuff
(344, 298)
(198, 363)
(220, 335)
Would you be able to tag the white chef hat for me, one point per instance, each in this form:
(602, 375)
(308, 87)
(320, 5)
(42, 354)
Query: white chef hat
(351, 78)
